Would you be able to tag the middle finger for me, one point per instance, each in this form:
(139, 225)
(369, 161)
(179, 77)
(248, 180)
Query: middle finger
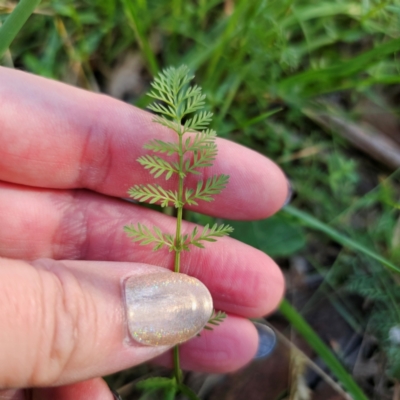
(89, 226)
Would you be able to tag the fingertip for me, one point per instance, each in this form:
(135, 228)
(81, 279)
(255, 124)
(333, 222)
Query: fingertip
(227, 348)
(93, 389)
(258, 187)
(252, 287)
(276, 289)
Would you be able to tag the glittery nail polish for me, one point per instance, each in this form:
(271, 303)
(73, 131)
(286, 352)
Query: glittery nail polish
(266, 340)
(166, 308)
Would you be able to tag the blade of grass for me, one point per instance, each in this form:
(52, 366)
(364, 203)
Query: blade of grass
(14, 23)
(301, 326)
(260, 118)
(233, 22)
(328, 78)
(313, 223)
(134, 20)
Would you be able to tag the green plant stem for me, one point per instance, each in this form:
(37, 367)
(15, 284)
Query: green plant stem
(178, 244)
(178, 247)
(301, 326)
(177, 263)
(177, 368)
(14, 23)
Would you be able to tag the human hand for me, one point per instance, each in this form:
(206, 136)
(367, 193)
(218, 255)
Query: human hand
(66, 158)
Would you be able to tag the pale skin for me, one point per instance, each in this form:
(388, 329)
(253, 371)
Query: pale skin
(67, 156)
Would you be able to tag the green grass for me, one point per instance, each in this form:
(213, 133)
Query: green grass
(14, 23)
(261, 63)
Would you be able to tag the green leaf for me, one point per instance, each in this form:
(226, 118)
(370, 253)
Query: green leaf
(158, 166)
(198, 122)
(154, 194)
(156, 383)
(208, 234)
(168, 84)
(142, 234)
(216, 319)
(192, 104)
(178, 100)
(202, 141)
(188, 392)
(170, 392)
(162, 147)
(201, 159)
(169, 111)
(214, 185)
(159, 119)
(277, 236)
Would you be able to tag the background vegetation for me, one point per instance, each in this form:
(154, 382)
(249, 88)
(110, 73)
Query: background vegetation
(312, 85)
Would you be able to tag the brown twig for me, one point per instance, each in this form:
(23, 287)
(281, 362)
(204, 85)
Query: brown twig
(363, 136)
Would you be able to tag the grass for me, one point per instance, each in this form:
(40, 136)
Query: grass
(262, 63)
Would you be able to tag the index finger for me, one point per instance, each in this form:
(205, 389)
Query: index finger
(57, 136)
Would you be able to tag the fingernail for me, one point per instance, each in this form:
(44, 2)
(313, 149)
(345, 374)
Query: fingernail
(166, 308)
(290, 193)
(266, 340)
(116, 395)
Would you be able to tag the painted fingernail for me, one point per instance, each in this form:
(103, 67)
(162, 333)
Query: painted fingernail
(290, 193)
(116, 395)
(166, 308)
(266, 340)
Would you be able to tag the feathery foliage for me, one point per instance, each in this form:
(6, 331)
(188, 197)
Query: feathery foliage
(158, 166)
(158, 146)
(154, 194)
(144, 236)
(216, 319)
(205, 191)
(178, 107)
(207, 235)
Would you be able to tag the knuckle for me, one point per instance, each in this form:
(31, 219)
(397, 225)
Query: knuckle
(70, 238)
(65, 316)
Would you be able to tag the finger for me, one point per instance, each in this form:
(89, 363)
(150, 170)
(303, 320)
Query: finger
(63, 325)
(12, 394)
(65, 322)
(69, 138)
(93, 389)
(226, 348)
(83, 225)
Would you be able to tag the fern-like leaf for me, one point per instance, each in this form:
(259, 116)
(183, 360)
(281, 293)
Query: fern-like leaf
(177, 100)
(169, 111)
(192, 100)
(198, 122)
(159, 146)
(179, 108)
(204, 191)
(168, 84)
(159, 119)
(207, 235)
(158, 166)
(201, 141)
(142, 234)
(217, 317)
(154, 194)
(201, 159)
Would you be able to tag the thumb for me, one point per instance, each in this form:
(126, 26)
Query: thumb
(67, 321)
